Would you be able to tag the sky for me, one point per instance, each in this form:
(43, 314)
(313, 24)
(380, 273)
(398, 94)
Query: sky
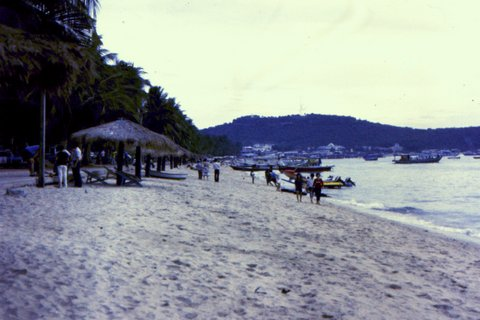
(408, 63)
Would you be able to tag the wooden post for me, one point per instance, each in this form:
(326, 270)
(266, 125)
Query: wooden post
(41, 169)
(120, 157)
(171, 162)
(86, 152)
(159, 164)
(138, 162)
(148, 160)
(164, 162)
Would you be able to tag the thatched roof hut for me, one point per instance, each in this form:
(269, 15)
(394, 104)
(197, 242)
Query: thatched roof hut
(133, 135)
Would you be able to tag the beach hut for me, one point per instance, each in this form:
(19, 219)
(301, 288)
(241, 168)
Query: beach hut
(131, 136)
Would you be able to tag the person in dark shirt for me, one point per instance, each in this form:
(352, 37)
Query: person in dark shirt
(317, 187)
(299, 187)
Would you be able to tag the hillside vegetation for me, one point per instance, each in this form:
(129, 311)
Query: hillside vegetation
(300, 132)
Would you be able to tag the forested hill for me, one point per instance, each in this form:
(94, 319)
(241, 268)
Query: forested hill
(299, 132)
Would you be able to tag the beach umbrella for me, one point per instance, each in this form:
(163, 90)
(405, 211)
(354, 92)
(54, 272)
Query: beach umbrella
(29, 152)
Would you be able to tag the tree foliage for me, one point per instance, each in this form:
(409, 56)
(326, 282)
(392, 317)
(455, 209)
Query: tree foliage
(52, 45)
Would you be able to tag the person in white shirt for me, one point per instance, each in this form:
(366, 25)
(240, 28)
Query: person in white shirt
(216, 170)
(61, 161)
(310, 186)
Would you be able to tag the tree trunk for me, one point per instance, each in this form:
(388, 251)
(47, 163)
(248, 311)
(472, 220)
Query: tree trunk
(164, 162)
(138, 162)
(41, 168)
(148, 161)
(159, 164)
(120, 157)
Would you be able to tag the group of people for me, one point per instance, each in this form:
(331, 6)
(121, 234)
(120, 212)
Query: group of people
(314, 187)
(314, 184)
(63, 159)
(203, 169)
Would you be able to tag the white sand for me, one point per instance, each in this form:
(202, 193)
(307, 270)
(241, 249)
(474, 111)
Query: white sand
(230, 250)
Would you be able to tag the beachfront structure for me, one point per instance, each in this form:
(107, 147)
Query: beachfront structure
(256, 149)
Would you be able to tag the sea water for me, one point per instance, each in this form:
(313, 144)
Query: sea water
(442, 196)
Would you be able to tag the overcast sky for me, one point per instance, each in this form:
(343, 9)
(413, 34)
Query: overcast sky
(412, 63)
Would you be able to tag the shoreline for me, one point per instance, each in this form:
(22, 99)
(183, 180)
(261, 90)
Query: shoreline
(198, 249)
(431, 228)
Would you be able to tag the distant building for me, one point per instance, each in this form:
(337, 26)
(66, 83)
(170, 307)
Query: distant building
(397, 148)
(256, 149)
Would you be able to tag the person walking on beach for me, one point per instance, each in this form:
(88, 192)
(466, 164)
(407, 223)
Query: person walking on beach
(216, 170)
(199, 169)
(62, 158)
(76, 160)
(268, 176)
(317, 187)
(34, 163)
(274, 179)
(299, 187)
(252, 174)
(205, 172)
(310, 186)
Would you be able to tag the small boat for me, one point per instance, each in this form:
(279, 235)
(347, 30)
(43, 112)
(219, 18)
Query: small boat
(250, 167)
(409, 159)
(301, 169)
(336, 182)
(330, 183)
(288, 186)
(168, 175)
(308, 165)
(476, 157)
(370, 157)
(313, 168)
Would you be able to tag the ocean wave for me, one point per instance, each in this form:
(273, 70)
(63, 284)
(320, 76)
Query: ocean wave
(364, 205)
(406, 210)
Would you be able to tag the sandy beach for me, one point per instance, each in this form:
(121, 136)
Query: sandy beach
(197, 249)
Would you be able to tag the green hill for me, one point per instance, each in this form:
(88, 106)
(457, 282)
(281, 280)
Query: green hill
(313, 130)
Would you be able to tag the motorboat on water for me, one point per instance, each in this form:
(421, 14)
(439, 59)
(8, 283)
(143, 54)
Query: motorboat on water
(308, 165)
(370, 157)
(332, 182)
(420, 158)
(250, 167)
(335, 182)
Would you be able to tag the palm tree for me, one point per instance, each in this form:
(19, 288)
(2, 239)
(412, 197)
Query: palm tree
(42, 47)
(163, 115)
(116, 90)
